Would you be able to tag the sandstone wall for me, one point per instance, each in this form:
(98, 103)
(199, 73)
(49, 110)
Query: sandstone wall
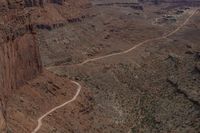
(19, 56)
(19, 53)
(19, 62)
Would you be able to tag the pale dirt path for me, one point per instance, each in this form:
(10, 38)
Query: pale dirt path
(140, 44)
(103, 57)
(57, 107)
(132, 48)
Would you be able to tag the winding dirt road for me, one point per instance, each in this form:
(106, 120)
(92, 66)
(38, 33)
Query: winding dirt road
(103, 57)
(57, 107)
(132, 48)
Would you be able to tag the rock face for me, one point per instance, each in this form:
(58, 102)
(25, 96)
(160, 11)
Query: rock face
(19, 53)
(19, 56)
(19, 62)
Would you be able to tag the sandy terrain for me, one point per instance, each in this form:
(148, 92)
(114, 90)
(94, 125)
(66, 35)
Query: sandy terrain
(148, 87)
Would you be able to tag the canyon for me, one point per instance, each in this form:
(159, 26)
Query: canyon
(36, 35)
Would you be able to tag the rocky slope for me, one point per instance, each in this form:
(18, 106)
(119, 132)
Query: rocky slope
(153, 89)
(47, 89)
(19, 53)
(123, 91)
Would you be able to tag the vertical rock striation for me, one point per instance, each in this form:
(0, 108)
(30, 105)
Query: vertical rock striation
(19, 62)
(19, 53)
(19, 57)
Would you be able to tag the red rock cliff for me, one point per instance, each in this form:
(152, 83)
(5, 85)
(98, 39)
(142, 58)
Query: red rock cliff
(19, 57)
(19, 62)
(19, 53)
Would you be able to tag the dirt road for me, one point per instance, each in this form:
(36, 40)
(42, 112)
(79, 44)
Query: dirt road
(57, 107)
(103, 57)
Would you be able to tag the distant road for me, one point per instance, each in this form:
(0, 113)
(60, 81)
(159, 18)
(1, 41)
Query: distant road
(103, 57)
(134, 47)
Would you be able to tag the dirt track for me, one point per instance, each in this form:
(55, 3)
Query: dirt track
(103, 57)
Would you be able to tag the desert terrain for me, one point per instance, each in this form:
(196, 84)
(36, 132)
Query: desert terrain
(104, 67)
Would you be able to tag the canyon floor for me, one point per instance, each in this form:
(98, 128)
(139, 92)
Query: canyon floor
(154, 88)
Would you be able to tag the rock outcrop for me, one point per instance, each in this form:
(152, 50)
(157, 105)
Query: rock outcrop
(19, 53)
(19, 62)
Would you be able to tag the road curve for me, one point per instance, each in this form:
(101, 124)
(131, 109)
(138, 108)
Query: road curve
(134, 47)
(57, 107)
(102, 57)
(141, 43)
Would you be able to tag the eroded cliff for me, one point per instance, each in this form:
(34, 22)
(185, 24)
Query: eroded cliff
(19, 53)
(19, 61)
